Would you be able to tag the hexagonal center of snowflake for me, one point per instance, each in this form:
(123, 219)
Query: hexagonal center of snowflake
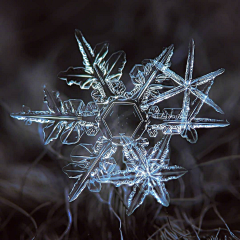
(122, 118)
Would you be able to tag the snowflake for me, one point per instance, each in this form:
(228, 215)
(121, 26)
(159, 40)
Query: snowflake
(122, 118)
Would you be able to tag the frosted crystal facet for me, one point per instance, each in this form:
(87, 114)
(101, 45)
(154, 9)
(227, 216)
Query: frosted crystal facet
(122, 118)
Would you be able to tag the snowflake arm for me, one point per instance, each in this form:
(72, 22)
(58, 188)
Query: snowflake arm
(188, 79)
(172, 121)
(142, 76)
(87, 169)
(68, 120)
(100, 74)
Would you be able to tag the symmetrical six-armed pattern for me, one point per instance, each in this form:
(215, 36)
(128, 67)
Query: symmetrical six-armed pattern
(122, 118)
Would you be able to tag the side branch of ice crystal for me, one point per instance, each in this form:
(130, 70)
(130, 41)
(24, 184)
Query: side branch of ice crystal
(122, 118)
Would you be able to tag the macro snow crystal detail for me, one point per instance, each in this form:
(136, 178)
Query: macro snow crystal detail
(125, 120)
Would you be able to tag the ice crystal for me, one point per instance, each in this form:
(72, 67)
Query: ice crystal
(69, 119)
(122, 118)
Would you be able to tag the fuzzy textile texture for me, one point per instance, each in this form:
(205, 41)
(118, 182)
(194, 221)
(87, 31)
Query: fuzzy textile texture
(37, 42)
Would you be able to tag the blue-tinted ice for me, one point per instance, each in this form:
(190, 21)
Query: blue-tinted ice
(123, 118)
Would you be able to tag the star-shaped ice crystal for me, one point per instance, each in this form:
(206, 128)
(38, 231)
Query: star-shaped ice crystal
(186, 85)
(146, 172)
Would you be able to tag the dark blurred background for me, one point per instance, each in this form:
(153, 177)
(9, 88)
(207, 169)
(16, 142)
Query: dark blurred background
(37, 42)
